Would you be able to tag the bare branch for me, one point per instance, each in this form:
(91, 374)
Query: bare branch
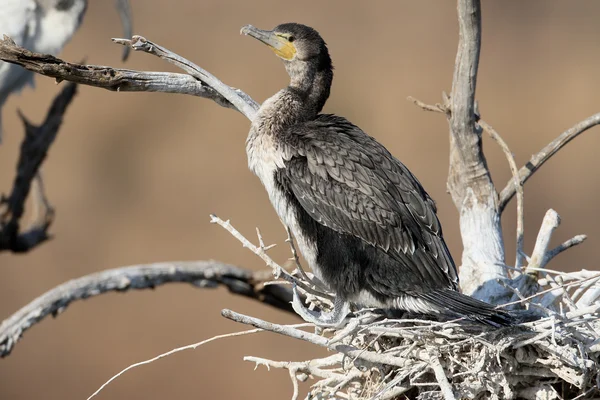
(350, 351)
(468, 169)
(240, 100)
(441, 377)
(33, 151)
(278, 270)
(204, 274)
(469, 180)
(549, 224)
(574, 241)
(544, 155)
(428, 107)
(113, 79)
(310, 367)
(520, 195)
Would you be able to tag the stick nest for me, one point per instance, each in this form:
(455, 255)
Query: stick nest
(555, 357)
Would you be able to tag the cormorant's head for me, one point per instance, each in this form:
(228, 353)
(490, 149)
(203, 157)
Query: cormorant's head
(305, 56)
(295, 44)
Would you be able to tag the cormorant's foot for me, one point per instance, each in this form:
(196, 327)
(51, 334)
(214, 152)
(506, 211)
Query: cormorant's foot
(333, 319)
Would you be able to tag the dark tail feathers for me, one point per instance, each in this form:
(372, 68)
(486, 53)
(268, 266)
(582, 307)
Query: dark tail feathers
(457, 304)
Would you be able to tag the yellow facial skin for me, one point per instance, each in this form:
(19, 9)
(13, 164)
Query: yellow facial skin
(287, 50)
(278, 42)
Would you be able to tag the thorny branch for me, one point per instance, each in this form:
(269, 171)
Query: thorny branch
(33, 151)
(202, 274)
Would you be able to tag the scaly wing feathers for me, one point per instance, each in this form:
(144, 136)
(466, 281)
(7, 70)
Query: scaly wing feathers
(350, 183)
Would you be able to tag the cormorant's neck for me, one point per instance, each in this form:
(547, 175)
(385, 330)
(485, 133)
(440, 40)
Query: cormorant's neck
(311, 80)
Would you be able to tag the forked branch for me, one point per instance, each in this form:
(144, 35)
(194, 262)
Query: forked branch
(33, 151)
(469, 180)
(116, 79)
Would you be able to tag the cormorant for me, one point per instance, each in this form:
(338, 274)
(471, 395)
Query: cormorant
(362, 220)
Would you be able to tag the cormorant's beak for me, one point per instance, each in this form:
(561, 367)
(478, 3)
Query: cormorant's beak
(124, 10)
(279, 43)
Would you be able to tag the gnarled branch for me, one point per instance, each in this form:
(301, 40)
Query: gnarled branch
(204, 274)
(116, 79)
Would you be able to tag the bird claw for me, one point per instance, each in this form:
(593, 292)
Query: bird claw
(333, 319)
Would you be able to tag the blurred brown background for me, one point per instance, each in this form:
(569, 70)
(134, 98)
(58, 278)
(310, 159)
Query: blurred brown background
(134, 176)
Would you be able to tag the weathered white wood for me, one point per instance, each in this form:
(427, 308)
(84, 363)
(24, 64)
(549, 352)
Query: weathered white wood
(469, 181)
(483, 252)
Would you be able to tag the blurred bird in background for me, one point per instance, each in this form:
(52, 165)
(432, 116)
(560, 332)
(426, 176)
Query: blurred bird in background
(43, 26)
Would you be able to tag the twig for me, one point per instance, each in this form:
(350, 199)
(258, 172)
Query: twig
(350, 351)
(171, 352)
(589, 297)
(114, 79)
(295, 257)
(584, 286)
(441, 377)
(574, 241)
(205, 274)
(550, 222)
(519, 188)
(310, 367)
(259, 251)
(537, 160)
(33, 151)
(317, 285)
(543, 292)
(278, 271)
(427, 107)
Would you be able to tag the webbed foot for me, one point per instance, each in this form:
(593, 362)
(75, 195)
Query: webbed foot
(333, 319)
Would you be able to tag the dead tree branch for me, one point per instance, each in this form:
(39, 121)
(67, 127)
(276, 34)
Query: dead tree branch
(114, 79)
(469, 180)
(240, 100)
(34, 148)
(544, 155)
(203, 274)
(519, 188)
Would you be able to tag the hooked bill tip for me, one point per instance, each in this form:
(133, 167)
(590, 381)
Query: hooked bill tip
(245, 29)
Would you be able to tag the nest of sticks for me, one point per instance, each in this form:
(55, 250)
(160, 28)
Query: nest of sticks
(376, 357)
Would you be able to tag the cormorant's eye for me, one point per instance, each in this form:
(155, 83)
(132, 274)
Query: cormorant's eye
(291, 39)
